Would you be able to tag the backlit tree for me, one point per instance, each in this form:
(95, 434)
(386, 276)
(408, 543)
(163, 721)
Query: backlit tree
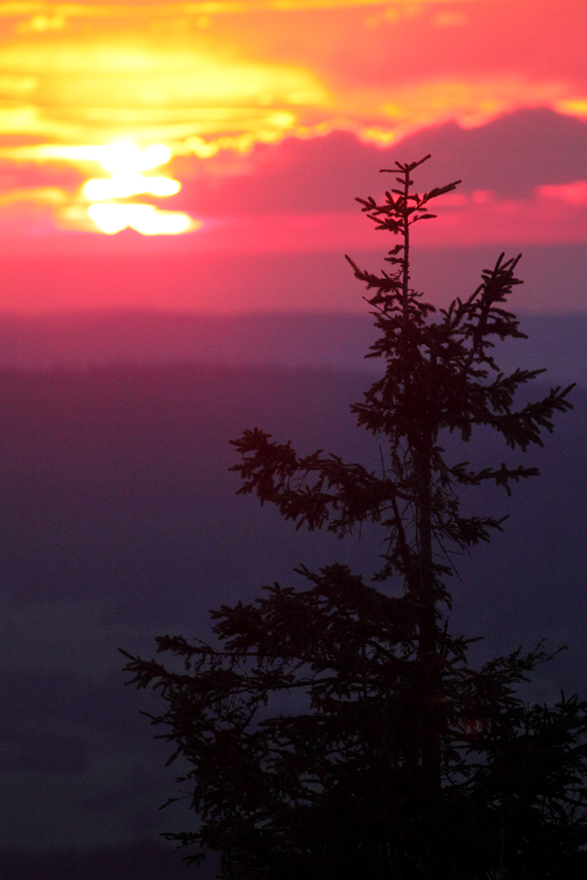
(337, 729)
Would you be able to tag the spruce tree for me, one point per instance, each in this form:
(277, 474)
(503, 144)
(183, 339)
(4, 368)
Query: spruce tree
(337, 729)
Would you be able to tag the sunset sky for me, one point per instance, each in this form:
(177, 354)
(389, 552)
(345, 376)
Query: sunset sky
(242, 130)
(177, 194)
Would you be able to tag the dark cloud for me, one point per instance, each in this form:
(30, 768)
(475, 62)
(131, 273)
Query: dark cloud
(510, 155)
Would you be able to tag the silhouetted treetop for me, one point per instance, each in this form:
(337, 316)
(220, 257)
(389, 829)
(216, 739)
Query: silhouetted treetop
(336, 729)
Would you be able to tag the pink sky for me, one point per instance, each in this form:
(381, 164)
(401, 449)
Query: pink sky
(272, 116)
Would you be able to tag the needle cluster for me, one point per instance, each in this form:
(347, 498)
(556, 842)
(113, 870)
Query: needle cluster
(337, 730)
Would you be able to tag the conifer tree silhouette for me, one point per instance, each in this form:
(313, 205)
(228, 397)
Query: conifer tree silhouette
(338, 731)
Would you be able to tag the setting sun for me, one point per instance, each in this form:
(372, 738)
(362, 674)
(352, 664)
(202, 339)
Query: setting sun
(126, 161)
(146, 219)
(247, 127)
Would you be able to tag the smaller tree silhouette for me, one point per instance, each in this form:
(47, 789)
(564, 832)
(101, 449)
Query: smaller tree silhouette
(338, 730)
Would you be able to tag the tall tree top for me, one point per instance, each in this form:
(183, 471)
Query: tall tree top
(440, 374)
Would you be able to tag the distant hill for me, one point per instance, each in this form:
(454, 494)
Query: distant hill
(556, 341)
(119, 522)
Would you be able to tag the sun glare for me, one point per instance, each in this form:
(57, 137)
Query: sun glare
(145, 219)
(121, 186)
(125, 161)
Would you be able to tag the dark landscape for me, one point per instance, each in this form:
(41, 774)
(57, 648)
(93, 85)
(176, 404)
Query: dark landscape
(119, 522)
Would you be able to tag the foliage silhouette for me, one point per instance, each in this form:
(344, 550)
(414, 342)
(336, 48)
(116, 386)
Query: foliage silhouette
(337, 730)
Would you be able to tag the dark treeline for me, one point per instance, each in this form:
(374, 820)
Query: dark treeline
(315, 340)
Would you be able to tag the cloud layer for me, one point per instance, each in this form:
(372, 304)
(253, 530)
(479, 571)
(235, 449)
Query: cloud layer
(214, 81)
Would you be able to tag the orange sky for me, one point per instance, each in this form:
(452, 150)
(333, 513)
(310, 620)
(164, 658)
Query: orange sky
(249, 125)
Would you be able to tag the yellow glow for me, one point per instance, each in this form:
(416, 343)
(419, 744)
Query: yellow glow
(212, 77)
(69, 94)
(133, 72)
(41, 23)
(204, 131)
(124, 157)
(117, 156)
(121, 186)
(146, 219)
(216, 96)
(17, 86)
(471, 104)
(126, 161)
(53, 12)
(573, 107)
(49, 195)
